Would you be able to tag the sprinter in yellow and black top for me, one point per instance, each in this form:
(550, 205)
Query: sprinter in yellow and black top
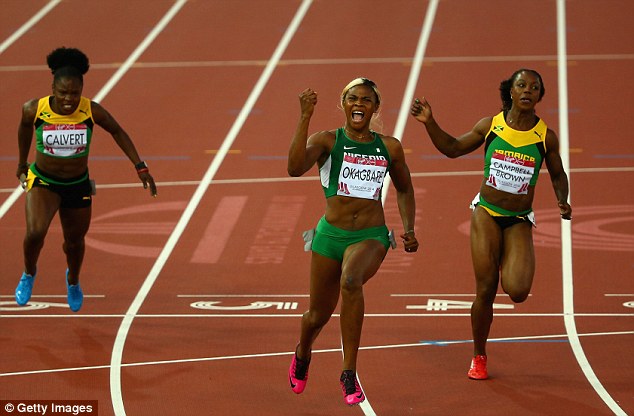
(516, 143)
(58, 180)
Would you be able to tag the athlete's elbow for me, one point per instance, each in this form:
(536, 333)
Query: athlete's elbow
(454, 152)
(448, 151)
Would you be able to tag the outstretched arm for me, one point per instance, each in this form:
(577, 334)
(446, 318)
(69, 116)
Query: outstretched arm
(447, 144)
(105, 120)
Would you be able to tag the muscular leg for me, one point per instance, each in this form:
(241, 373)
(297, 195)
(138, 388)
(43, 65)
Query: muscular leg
(41, 206)
(75, 224)
(324, 295)
(486, 246)
(518, 261)
(361, 261)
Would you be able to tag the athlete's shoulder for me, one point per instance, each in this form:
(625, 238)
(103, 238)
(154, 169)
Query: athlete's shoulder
(386, 138)
(485, 124)
(393, 146)
(551, 137)
(33, 103)
(325, 139)
(389, 141)
(324, 135)
(29, 109)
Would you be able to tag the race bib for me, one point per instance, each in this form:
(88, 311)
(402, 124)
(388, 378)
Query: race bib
(362, 176)
(510, 174)
(64, 140)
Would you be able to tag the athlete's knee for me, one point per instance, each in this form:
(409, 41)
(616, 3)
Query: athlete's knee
(74, 244)
(517, 291)
(351, 285)
(316, 319)
(34, 236)
(518, 296)
(486, 293)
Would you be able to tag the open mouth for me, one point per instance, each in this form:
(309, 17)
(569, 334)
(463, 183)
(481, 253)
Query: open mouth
(357, 115)
(68, 107)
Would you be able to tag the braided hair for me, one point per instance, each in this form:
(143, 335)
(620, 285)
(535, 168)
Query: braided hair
(67, 62)
(505, 88)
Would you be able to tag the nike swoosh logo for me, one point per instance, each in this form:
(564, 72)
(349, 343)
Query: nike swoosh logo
(349, 147)
(291, 381)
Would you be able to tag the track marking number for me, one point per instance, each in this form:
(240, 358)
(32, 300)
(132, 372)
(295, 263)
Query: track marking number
(214, 305)
(444, 305)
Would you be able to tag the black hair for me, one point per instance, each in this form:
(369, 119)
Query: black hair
(505, 88)
(67, 62)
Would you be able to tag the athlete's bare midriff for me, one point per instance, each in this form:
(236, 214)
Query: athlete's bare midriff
(506, 200)
(354, 213)
(62, 167)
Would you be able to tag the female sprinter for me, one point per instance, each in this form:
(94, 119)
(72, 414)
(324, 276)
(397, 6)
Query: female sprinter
(516, 142)
(351, 239)
(58, 180)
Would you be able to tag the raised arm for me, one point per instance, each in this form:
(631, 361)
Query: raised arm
(108, 123)
(447, 144)
(558, 175)
(305, 151)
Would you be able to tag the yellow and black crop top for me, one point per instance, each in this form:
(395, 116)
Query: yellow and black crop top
(63, 136)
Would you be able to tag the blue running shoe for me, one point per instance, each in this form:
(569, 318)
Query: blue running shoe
(75, 295)
(24, 289)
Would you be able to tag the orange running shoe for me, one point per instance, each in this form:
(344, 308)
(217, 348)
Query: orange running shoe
(478, 369)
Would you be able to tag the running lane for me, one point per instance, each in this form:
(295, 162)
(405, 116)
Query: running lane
(222, 316)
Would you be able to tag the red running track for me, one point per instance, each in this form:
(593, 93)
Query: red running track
(194, 299)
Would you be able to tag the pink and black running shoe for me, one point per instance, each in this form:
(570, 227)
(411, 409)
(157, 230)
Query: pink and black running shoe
(298, 374)
(352, 393)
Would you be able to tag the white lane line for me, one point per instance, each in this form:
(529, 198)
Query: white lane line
(321, 351)
(117, 353)
(17, 192)
(412, 81)
(8, 203)
(566, 228)
(28, 25)
(253, 181)
(338, 61)
(408, 95)
(299, 315)
(117, 350)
